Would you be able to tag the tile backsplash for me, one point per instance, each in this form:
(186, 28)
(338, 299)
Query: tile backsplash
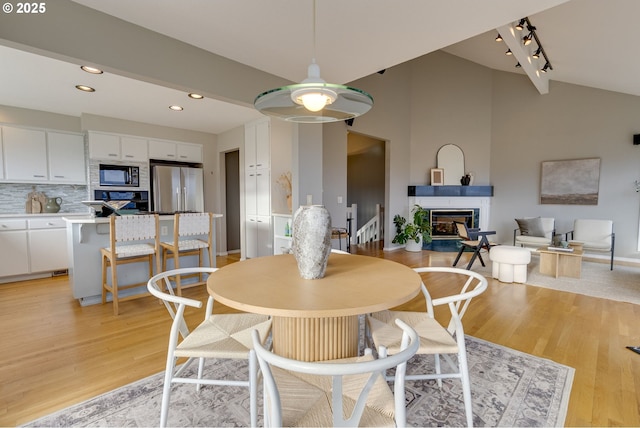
(13, 196)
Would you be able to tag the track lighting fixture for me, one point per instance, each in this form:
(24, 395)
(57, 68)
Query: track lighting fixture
(528, 38)
(499, 38)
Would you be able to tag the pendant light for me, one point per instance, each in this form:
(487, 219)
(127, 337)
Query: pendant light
(314, 100)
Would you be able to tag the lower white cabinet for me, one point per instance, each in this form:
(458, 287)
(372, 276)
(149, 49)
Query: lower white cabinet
(48, 245)
(258, 236)
(14, 251)
(33, 246)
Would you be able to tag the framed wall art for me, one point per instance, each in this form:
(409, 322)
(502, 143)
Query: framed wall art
(437, 176)
(570, 182)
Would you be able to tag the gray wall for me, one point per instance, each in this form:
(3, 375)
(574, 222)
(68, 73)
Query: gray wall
(505, 129)
(571, 122)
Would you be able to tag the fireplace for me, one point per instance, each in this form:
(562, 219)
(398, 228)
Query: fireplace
(442, 221)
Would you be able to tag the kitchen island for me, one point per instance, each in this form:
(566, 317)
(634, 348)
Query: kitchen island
(86, 235)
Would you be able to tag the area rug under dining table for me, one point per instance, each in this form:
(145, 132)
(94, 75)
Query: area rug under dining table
(509, 388)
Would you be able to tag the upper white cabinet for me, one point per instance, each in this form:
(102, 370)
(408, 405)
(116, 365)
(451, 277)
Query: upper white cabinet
(39, 156)
(104, 146)
(115, 147)
(25, 152)
(171, 150)
(189, 152)
(257, 145)
(66, 158)
(134, 149)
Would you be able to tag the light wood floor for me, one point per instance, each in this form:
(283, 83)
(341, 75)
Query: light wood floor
(55, 353)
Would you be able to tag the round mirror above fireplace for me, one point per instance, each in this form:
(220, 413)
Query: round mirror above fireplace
(451, 160)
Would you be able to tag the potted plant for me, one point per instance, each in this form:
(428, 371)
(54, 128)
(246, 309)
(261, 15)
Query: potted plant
(413, 234)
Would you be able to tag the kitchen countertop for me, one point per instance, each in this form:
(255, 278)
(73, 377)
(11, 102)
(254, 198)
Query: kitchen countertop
(58, 214)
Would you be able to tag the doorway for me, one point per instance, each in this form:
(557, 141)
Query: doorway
(232, 199)
(365, 175)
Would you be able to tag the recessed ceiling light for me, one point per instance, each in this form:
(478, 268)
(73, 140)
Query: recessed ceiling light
(196, 96)
(91, 70)
(176, 108)
(85, 88)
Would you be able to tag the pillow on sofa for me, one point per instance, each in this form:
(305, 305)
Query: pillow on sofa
(531, 226)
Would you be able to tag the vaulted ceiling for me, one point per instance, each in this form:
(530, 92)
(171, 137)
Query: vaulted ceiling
(588, 42)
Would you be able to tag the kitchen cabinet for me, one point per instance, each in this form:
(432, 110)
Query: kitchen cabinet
(116, 147)
(14, 250)
(257, 191)
(134, 149)
(257, 145)
(66, 158)
(176, 151)
(47, 245)
(104, 146)
(258, 236)
(25, 152)
(40, 156)
(32, 246)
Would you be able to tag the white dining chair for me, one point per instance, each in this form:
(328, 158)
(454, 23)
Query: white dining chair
(345, 392)
(218, 336)
(435, 339)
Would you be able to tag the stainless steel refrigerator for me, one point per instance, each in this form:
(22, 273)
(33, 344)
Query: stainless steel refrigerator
(177, 188)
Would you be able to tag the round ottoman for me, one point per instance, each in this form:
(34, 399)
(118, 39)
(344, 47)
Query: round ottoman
(509, 264)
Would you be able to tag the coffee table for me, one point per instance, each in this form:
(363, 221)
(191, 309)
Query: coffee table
(560, 263)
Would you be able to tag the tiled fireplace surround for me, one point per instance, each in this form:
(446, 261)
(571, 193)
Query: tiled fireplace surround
(480, 205)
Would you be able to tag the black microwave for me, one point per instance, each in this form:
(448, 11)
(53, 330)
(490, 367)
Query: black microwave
(119, 175)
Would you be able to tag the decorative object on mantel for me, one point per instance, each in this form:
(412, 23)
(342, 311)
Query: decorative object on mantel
(36, 201)
(570, 182)
(413, 234)
(311, 241)
(465, 180)
(451, 160)
(437, 176)
(285, 182)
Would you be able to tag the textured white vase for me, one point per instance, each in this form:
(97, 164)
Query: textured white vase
(311, 240)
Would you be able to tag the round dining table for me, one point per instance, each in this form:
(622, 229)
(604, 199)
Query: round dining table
(314, 319)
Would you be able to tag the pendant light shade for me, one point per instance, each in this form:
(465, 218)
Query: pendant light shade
(314, 100)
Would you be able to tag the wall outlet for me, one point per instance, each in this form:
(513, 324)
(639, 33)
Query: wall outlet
(339, 199)
(164, 230)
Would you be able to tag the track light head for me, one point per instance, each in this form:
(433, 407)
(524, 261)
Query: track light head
(536, 54)
(508, 52)
(499, 38)
(528, 39)
(520, 25)
(518, 65)
(546, 67)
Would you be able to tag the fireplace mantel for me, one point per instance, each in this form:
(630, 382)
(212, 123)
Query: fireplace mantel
(460, 191)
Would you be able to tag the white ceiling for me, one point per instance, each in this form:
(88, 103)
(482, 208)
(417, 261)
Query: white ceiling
(587, 41)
